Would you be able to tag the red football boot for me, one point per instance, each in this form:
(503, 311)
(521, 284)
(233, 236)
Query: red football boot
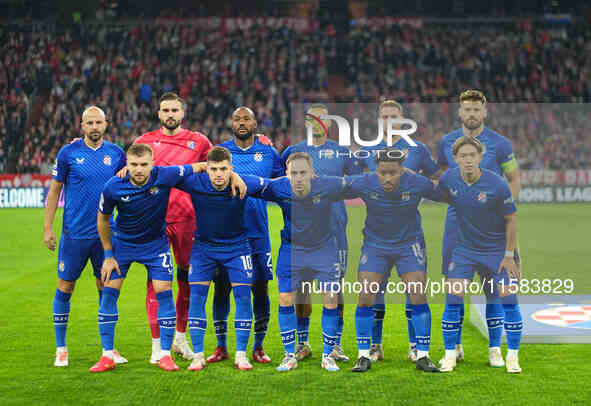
(220, 354)
(104, 364)
(167, 363)
(258, 355)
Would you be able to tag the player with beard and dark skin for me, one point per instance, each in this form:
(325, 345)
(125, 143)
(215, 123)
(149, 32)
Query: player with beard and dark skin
(250, 156)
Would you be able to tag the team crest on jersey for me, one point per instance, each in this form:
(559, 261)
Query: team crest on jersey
(107, 160)
(258, 157)
(326, 153)
(405, 196)
(61, 266)
(482, 197)
(191, 144)
(154, 190)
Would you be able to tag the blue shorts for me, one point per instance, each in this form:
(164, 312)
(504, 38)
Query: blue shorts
(205, 261)
(450, 239)
(339, 229)
(155, 255)
(296, 264)
(262, 260)
(464, 265)
(409, 258)
(73, 255)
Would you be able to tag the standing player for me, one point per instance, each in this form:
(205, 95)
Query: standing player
(487, 238)
(221, 242)
(249, 157)
(174, 145)
(418, 159)
(308, 250)
(82, 169)
(330, 159)
(499, 158)
(392, 236)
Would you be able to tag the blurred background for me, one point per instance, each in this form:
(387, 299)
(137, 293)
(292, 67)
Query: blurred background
(531, 58)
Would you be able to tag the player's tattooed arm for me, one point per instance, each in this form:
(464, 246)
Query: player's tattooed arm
(104, 231)
(52, 201)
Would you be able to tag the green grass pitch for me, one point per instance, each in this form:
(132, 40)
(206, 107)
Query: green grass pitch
(554, 242)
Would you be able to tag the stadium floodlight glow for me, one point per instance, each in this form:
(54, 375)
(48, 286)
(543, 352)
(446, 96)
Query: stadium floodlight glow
(345, 130)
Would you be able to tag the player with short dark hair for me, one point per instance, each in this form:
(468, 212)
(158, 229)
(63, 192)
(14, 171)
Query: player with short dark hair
(392, 236)
(330, 159)
(82, 168)
(486, 242)
(308, 250)
(249, 157)
(419, 160)
(498, 157)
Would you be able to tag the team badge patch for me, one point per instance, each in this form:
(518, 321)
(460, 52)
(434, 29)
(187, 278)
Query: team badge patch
(482, 197)
(565, 316)
(258, 157)
(107, 160)
(191, 144)
(61, 266)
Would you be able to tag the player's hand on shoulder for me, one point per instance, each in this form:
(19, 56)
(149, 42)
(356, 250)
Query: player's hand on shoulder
(263, 139)
(122, 172)
(49, 239)
(109, 265)
(237, 185)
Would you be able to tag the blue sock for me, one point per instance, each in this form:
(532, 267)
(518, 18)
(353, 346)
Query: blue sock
(108, 316)
(329, 329)
(513, 324)
(61, 313)
(450, 321)
(363, 326)
(379, 311)
(197, 317)
(303, 329)
(459, 340)
(494, 321)
(287, 327)
(421, 320)
(166, 318)
(261, 308)
(412, 335)
(243, 317)
(221, 309)
(340, 325)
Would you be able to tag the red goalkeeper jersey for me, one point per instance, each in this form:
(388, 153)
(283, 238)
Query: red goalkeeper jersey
(186, 147)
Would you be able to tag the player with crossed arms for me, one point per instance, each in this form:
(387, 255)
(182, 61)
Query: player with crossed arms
(82, 168)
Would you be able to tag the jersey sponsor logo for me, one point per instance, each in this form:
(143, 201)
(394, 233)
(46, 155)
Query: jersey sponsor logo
(80, 160)
(61, 266)
(191, 144)
(107, 160)
(326, 153)
(154, 190)
(125, 198)
(406, 196)
(565, 316)
(482, 197)
(258, 157)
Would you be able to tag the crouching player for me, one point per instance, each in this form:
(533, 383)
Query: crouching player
(487, 237)
(392, 236)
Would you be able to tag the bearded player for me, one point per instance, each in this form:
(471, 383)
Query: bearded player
(498, 157)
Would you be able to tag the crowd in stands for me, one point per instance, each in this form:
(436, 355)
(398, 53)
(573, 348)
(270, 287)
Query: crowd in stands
(531, 75)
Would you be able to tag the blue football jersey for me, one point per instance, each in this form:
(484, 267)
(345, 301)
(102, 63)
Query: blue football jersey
(498, 151)
(330, 159)
(260, 160)
(141, 211)
(391, 219)
(84, 172)
(306, 220)
(480, 209)
(219, 216)
(418, 158)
